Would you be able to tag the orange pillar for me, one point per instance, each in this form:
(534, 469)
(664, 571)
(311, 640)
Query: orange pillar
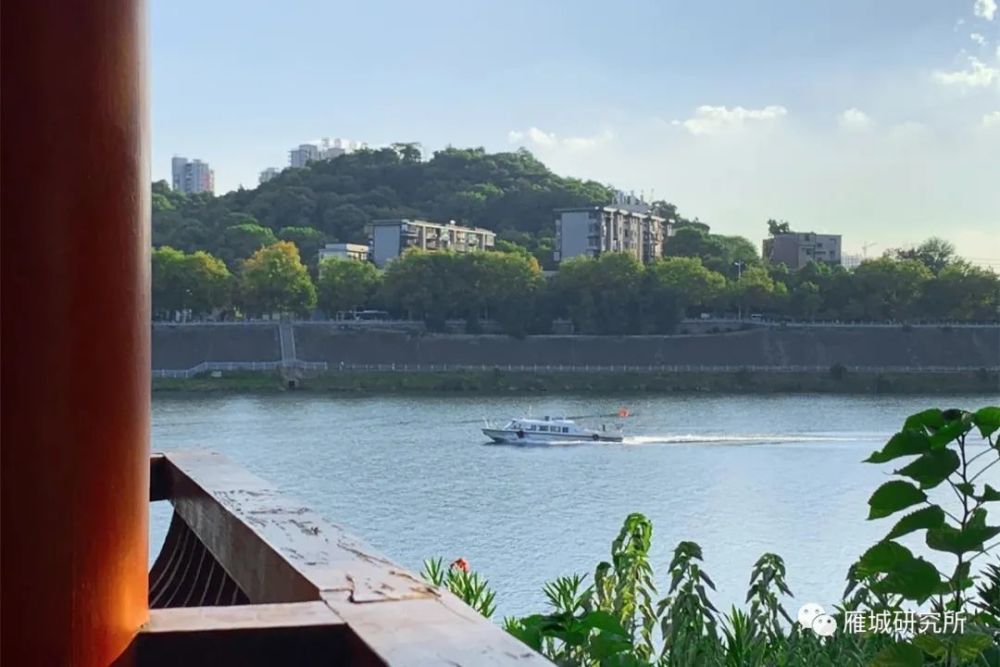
(75, 330)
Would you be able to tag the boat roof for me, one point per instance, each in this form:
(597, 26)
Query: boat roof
(543, 420)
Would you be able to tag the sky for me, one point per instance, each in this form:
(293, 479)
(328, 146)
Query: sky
(879, 121)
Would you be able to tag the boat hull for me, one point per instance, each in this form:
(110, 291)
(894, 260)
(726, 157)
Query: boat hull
(503, 436)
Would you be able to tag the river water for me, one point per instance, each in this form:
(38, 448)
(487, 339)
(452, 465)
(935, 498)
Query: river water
(740, 475)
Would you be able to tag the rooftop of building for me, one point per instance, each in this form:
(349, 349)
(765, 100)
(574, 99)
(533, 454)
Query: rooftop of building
(345, 246)
(794, 233)
(610, 208)
(389, 222)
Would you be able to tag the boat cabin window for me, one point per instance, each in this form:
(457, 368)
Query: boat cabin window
(565, 429)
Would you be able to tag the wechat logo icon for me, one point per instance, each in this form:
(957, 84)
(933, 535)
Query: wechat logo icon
(815, 618)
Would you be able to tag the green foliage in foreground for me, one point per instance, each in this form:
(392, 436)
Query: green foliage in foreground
(621, 619)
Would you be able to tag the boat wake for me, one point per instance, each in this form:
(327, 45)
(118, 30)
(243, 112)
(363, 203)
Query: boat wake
(749, 439)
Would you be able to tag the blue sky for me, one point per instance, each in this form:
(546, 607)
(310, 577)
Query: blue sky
(877, 120)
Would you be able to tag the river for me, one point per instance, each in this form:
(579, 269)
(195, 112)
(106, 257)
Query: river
(740, 475)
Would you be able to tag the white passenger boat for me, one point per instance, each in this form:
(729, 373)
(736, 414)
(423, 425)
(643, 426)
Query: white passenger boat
(550, 430)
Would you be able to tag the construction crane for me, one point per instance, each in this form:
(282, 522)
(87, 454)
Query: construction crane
(864, 249)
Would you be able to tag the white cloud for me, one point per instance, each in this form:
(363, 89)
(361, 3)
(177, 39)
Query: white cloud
(891, 184)
(985, 9)
(978, 39)
(992, 119)
(977, 75)
(854, 119)
(548, 140)
(711, 120)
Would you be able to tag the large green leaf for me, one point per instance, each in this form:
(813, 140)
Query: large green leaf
(932, 645)
(905, 443)
(928, 517)
(931, 468)
(914, 579)
(959, 541)
(603, 621)
(988, 420)
(528, 630)
(969, 646)
(899, 655)
(931, 420)
(989, 495)
(892, 497)
(958, 425)
(881, 558)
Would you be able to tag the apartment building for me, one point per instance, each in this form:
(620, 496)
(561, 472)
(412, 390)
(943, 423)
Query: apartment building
(323, 150)
(191, 176)
(268, 174)
(626, 227)
(389, 238)
(354, 251)
(796, 249)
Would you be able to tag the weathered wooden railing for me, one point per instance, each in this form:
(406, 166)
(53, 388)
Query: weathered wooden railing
(247, 576)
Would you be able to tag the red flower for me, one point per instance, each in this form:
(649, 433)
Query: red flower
(460, 564)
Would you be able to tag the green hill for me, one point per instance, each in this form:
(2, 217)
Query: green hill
(510, 193)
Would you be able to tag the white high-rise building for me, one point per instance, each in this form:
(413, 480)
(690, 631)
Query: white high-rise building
(323, 150)
(191, 176)
(268, 174)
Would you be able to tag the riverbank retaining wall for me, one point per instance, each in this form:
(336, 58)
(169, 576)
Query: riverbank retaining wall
(178, 347)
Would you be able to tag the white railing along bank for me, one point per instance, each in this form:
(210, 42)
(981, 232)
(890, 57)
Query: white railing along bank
(210, 366)
(644, 368)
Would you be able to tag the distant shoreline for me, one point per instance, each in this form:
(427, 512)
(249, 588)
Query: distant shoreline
(504, 382)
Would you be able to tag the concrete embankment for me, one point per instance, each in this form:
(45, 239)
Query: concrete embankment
(843, 359)
(911, 348)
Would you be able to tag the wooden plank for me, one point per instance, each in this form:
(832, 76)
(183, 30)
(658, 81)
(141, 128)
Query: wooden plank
(159, 478)
(277, 549)
(189, 619)
(307, 633)
(280, 551)
(437, 631)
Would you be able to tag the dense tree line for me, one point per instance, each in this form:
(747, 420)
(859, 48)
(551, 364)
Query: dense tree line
(252, 252)
(613, 294)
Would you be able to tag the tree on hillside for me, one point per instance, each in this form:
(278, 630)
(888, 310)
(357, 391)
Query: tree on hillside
(934, 253)
(775, 227)
(242, 240)
(717, 252)
(510, 284)
(754, 290)
(345, 223)
(274, 280)
(346, 284)
(409, 152)
(198, 282)
(672, 286)
(889, 289)
(600, 296)
(308, 241)
(961, 291)
(423, 285)
(805, 300)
